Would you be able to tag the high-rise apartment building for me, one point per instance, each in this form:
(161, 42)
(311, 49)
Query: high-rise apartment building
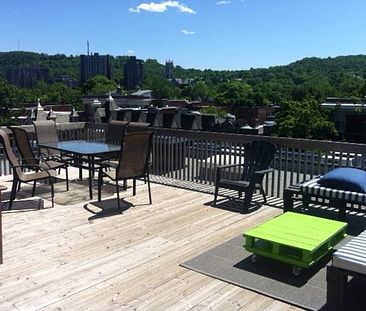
(169, 67)
(95, 64)
(133, 73)
(27, 77)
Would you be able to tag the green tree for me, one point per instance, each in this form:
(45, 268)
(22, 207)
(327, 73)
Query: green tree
(10, 98)
(220, 113)
(351, 85)
(305, 119)
(162, 88)
(56, 92)
(234, 93)
(98, 85)
(198, 90)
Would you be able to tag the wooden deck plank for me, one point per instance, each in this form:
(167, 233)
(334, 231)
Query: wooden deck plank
(60, 258)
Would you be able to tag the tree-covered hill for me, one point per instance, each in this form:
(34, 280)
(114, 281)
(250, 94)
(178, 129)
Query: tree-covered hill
(342, 76)
(298, 87)
(332, 71)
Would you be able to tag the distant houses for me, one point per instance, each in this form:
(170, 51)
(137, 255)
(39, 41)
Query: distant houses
(349, 117)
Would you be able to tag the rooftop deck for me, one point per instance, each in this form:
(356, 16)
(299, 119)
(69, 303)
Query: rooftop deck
(87, 256)
(76, 256)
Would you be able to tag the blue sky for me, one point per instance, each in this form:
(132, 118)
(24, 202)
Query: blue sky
(213, 34)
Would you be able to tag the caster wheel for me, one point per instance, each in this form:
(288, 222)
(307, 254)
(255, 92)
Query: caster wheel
(253, 258)
(296, 271)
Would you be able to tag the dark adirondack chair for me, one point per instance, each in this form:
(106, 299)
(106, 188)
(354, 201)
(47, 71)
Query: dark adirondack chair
(257, 158)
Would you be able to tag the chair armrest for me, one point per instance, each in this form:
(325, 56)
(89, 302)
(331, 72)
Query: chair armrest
(39, 161)
(223, 167)
(220, 167)
(35, 167)
(262, 172)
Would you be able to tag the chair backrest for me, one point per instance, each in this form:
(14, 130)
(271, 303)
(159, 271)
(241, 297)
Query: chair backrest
(137, 127)
(22, 141)
(134, 155)
(115, 131)
(46, 132)
(9, 151)
(258, 155)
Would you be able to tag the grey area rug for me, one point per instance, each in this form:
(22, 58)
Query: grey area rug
(231, 263)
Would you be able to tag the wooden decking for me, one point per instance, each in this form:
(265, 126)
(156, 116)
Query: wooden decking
(74, 257)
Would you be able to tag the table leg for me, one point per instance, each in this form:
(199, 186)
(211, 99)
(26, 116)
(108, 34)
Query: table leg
(91, 175)
(1, 229)
(288, 203)
(80, 163)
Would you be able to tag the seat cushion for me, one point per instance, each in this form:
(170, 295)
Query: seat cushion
(345, 178)
(352, 256)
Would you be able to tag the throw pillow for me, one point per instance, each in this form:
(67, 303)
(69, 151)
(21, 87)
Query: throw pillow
(345, 178)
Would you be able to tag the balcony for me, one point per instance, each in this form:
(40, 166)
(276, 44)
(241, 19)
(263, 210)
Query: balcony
(84, 254)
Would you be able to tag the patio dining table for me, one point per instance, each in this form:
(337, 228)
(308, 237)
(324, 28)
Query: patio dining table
(84, 151)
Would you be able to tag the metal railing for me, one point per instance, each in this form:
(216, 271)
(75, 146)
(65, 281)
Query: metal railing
(194, 155)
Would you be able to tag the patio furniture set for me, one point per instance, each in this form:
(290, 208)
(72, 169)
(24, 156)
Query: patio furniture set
(124, 155)
(302, 240)
(297, 239)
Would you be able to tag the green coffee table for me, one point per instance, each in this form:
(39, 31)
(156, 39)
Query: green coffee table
(297, 239)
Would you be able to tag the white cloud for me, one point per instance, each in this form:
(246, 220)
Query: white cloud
(162, 7)
(130, 52)
(223, 2)
(188, 32)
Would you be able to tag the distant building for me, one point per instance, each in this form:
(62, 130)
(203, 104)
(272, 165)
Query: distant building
(133, 75)
(26, 77)
(169, 68)
(121, 101)
(144, 93)
(252, 116)
(70, 82)
(182, 82)
(349, 116)
(95, 64)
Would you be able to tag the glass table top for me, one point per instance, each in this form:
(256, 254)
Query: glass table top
(83, 147)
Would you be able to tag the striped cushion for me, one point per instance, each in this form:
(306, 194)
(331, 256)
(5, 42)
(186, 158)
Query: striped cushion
(352, 256)
(313, 188)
